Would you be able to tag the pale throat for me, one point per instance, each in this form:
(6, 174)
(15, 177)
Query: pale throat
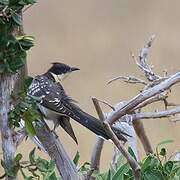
(59, 77)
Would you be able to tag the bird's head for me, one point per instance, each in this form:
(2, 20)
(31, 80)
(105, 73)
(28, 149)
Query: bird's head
(60, 71)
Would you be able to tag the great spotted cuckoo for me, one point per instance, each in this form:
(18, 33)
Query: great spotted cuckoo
(54, 104)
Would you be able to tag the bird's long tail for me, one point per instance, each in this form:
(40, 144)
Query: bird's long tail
(96, 125)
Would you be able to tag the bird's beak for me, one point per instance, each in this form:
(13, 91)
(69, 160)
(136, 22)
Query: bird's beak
(74, 69)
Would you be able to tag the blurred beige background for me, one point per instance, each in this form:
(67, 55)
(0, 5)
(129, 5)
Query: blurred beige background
(98, 36)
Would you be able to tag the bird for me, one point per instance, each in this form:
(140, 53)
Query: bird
(54, 104)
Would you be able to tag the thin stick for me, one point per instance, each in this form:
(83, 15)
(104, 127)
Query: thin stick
(175, 120)
(132, 162)
(128, 79)
(95, 100)
(158, 97)
(96, 153)
(141, 133)
(160, 114)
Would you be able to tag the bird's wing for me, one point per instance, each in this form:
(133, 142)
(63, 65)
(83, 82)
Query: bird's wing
(52, 96)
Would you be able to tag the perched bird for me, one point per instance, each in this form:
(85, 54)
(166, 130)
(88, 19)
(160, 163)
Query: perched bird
(56, 105)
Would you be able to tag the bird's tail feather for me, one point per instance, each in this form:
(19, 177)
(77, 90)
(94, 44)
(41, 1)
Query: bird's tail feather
(96, 125)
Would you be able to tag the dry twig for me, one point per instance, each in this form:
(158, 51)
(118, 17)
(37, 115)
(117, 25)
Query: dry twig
(142, 61)
(156, 98)
(95, 101)
(128, 79)
(160, 114)
(132, 162)
(141, 133)
(97, 149)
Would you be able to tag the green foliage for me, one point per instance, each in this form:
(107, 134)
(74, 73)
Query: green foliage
(34, 167)
(25, 110)
(153, 167)
(76, 158)
(12, 48)
(13, 52)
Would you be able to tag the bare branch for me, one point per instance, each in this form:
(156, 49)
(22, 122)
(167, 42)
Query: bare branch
(56, 151)
(138, 126)
(8, 145)
(166, 103)
(158, 97)
(175, 120)
(146, 94)
(142, 61)
(134, 165)
(128, 79)
(155, 82)
(95, 100)
(96, 153)
(160, 114)
(19, 136)
(141, 133)
(115, 157)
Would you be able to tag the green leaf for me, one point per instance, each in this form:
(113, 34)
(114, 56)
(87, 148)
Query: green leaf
(122, 170)
(42, 165)
(26, 2)
(53, 176)
(176, 170)
(27, 82)
(18, 157)
(31, 1)
(26, 42)
(113, 171)
(150, 162)
(76, 158)
(51, 165)
(50, 171)
(29, 178)
(30, 114)
(85, 167)
(17, 19)
(16, 63)
(109, 177)
(99, 178)
(131, 152)
(28, 125)
(2, 68)
(168, 167)
(4, 2)
(120, 160)
(153, 175)
(32, 156)
(165, 142)
(11, 171)
(128, 176)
